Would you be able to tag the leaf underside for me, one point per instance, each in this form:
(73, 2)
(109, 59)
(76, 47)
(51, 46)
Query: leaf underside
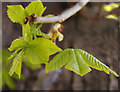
(77, 61)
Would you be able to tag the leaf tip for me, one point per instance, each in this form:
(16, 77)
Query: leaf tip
(9, 49)
(114, 73)
(10, 73)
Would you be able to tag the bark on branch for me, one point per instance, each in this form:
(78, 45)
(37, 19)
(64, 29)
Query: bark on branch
(34, 19)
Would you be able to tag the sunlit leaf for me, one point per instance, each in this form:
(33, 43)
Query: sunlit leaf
(16, 66)
(18, 43)
(39, 33)
(73, 61)
(91, 61)
(113, 16)
(35, 8)
(14, 53)
(16, 13)
(77, 61)
(111, 6)
(40, 49)
(27, 33)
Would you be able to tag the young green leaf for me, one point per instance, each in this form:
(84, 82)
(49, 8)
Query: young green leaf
(73, 61)
(16, 13)
(27, 33)
(18, 43)
(16, 67)
(95, 63)
(35, 8)
(110, 7)
(30, 65)
(40, 49)
(39, 33)
(113, 16)
(58, 61)
(14, 53)
(77, 61)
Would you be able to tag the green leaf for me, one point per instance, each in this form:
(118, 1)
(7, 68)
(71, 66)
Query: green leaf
(7, 79)
(77, 61)
(113, 16)
(27, 33)
(14, 53)
(111, 6)
(16, 67)
(35, 8)
(40, 49)
(18, 43)
(30, 65)
(73, 61)
(58, 61)
(16, 13)
(39, 33)
(36, 26)
(91, 61)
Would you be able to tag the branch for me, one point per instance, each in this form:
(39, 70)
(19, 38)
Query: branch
(34, 19)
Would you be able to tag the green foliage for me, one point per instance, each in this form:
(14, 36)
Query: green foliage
(27, 33)
(16, 13)
(14, 53)
(35, 8)
(36, 31)
(30, 65)
(95, 63)
(33, 51)
(6, 79)
(113, 16)
(37, 51)
(18, 43)
(4, 76)
(40, 49)
(111, 7)
(78, 61)
(16, 67)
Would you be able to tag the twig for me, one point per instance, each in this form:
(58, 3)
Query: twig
(34, 19)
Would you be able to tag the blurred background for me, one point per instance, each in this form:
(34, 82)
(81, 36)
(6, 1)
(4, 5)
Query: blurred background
(88, 30)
